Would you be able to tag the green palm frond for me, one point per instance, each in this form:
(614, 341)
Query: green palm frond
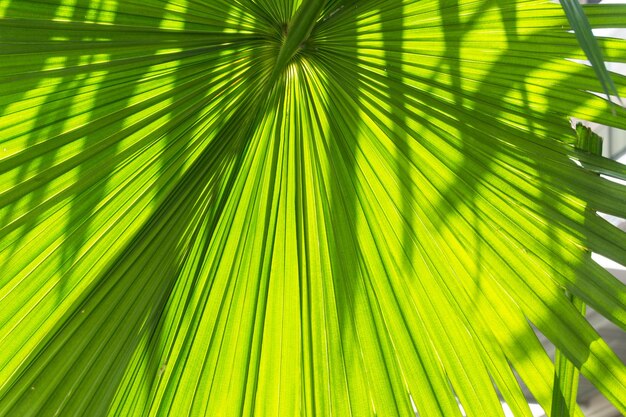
(215, 208)
(580, 24)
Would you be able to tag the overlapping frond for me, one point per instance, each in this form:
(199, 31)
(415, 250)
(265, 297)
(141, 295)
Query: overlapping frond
(376, 230)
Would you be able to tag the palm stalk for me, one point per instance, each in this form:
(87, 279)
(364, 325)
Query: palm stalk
(566, 374)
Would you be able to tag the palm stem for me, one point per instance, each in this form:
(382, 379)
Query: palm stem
(566, 374)
(298, 32)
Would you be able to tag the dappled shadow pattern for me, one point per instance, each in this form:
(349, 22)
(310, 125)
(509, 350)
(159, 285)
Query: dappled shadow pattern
(186, 233)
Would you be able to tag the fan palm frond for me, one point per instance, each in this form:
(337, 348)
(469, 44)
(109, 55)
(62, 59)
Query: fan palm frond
(201, 216)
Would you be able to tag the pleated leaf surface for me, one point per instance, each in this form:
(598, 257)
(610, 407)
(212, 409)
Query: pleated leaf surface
(377, 228)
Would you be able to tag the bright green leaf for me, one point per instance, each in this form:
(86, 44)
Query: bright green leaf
(217, 208)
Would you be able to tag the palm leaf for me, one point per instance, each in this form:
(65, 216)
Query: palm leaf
(374, 226)
(579, 22)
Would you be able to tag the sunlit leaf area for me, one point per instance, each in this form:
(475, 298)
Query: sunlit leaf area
(334, 208)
